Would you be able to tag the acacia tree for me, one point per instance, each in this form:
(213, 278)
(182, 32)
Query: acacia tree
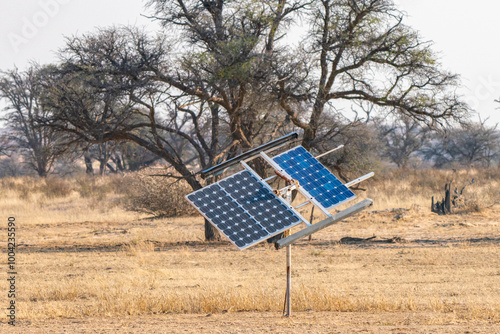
(470, 144)
(39, 145)
(361, 51)
(402, 137)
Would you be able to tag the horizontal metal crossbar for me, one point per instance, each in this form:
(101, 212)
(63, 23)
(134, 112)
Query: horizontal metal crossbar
(324, 223)
(303, 204)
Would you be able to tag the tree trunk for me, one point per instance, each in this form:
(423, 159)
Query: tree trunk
(111, 169)
(102, 166)
(260, 167)
(40, 163)
(447, 199)
(211, 233)
(42, 172)
(308, 138)
(118, 163)
(88, 163)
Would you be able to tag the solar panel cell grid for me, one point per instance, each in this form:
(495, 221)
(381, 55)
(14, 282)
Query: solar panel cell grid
(314, 178)
(243, 209)
(260, 202)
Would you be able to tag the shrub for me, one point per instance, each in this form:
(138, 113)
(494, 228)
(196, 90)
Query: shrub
(157, 195)
(55, 187)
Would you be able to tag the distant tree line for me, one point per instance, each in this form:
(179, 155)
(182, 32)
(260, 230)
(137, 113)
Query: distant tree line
(225, 76)
(402, 143)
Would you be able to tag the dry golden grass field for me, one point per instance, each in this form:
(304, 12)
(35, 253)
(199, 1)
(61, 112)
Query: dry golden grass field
(87, 265)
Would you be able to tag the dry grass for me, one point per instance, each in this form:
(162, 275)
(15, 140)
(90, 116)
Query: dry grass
(81, 257)
(404, 189)
(31, 201)
(137, 280)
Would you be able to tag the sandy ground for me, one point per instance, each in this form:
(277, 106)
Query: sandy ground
(259, 322)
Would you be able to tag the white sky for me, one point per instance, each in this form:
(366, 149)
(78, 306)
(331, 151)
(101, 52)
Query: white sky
(465, 34)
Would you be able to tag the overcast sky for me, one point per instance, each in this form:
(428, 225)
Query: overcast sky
(465, 34)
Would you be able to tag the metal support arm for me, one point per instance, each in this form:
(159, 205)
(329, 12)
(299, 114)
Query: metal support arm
(324, 223)
(359, 179)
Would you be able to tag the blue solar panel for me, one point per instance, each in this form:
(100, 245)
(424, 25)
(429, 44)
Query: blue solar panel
(313, 177)
(244, 209)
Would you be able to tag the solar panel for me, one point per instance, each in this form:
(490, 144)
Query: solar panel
(313, 177)
(244, 209)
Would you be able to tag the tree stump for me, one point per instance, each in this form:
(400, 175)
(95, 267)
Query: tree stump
(444, 207)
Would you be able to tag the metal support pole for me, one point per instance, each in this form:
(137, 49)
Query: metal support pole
(288, 281)
(288, 297)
